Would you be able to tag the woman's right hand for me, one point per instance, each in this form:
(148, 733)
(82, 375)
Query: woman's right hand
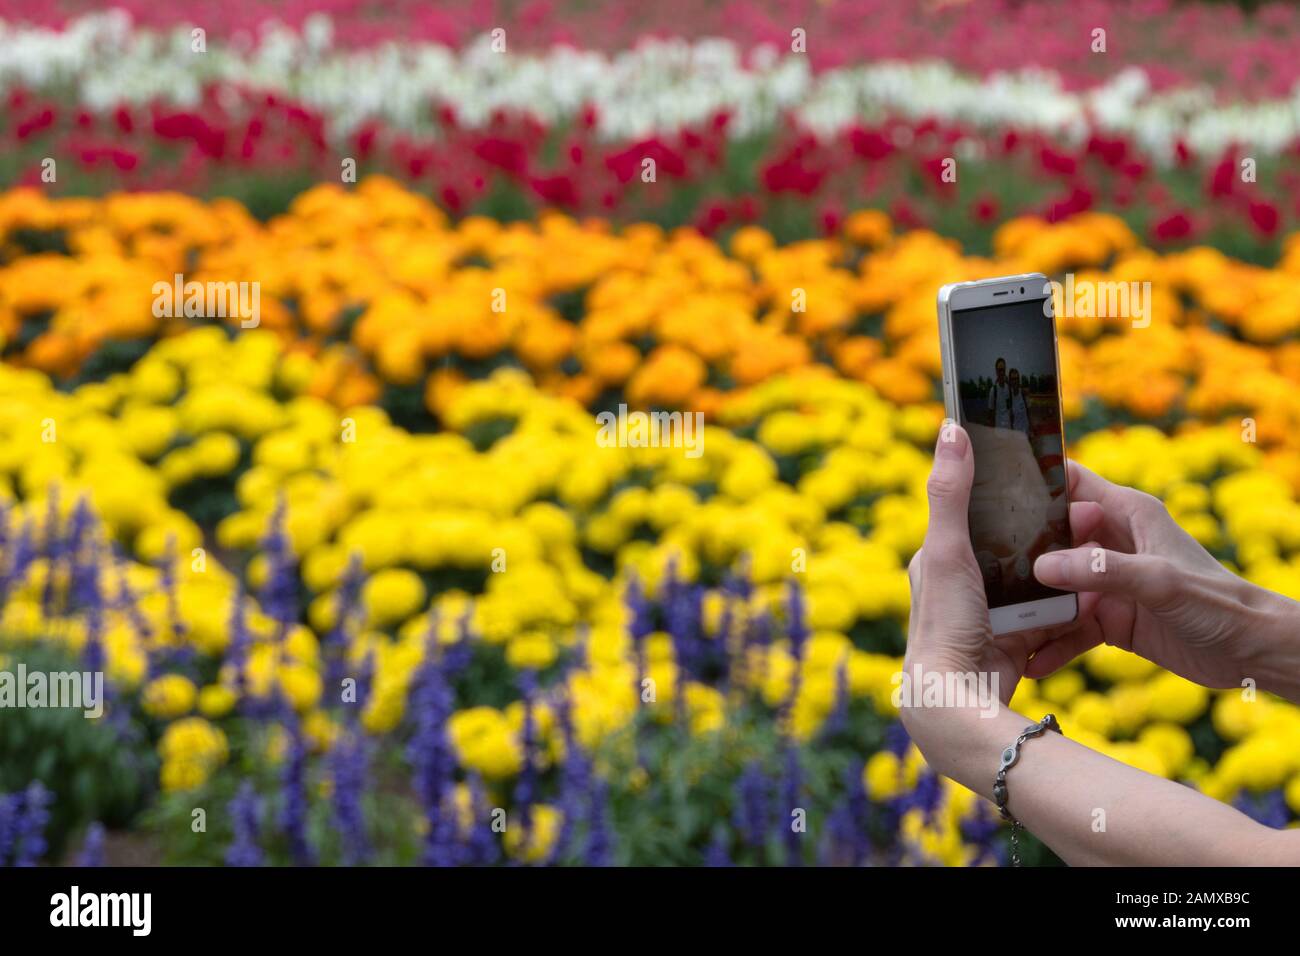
(1161, 595)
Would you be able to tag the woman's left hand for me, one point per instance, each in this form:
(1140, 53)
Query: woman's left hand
(948, 630)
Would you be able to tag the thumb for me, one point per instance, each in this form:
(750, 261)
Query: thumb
(948, 535)
(1149, 580)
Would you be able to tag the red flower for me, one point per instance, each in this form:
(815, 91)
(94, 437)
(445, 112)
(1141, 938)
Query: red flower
(712, 219)
(628, 162)
(1224, 178)
(935, 167)
(38, 121)
(1264, 217)
(1111, 151)
(1079, 200)
(870, 144)
(789, 174)
(451, 198)
(985, 209)
(507, 154)
(1058, 163)
(1172, 228)
(122, 117)
(211, 142)
(559, 190)
(904, 215)
(830, 221)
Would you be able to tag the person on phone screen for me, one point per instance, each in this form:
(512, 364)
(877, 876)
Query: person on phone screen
(1000, 397)
(1145, 586)
(1018, 403)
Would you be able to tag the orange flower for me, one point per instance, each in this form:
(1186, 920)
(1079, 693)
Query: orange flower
(766, 353)
(669, 377)
(854, 355)
(612, 363)
(900, 382)
(868, 227)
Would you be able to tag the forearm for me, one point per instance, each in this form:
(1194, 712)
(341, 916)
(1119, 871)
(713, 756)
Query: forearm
(1090, 809)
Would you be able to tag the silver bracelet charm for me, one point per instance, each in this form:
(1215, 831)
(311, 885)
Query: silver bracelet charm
(1009, 758)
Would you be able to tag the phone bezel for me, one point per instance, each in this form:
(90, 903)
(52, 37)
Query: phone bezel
(960, 296)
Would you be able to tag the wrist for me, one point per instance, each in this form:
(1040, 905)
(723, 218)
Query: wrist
(1270, 643)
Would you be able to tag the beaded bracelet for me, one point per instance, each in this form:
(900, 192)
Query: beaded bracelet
(1009, 758)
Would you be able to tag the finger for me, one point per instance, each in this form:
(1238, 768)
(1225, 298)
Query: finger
(1086, 519)
(1118, 504)
(1055, 655)
(947, 539)
(1147, 579)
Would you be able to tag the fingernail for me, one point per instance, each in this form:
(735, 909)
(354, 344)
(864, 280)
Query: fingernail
(952, 442)
(1050, 568)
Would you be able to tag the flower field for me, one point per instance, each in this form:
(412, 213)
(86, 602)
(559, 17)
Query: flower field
(365, 586)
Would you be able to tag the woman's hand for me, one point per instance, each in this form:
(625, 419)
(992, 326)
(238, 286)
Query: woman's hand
(948, 630)
(1156, 592)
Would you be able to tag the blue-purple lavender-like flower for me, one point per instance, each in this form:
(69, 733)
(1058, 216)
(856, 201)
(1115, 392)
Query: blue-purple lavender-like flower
(837, 847)
(838, 719)
(641, 625)
(897, 740)
(1270, 808)
(348, 763)
(11, 805)
(716, 855)
(126, 603)
(293, 817)
(245, 813)
(29, 845)
(174, 618)
(526, 785)
(53, 546)
(347, 614)
(753, 805)
(791, 785)
(430, 752)
(796, 621)
(481, 849)
(575, 773)
(237, 649)
(981, 831)
(92, 848)
(600, 838)
(24, 553)
(925, 796)
(280, 592)
(858, 806)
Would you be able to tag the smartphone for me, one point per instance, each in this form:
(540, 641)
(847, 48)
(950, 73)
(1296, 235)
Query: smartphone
(1002, 383)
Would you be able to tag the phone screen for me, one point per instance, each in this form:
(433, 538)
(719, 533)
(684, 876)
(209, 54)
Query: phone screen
(1009, 403)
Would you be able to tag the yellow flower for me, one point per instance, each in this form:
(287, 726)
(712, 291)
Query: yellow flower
(191, 749)
(1176, 699)
(534, 843)
(532, 650)
(485, 742)
(1172, 743)
(216, 700)
(168, 696)
(392, 595)
(884, 776)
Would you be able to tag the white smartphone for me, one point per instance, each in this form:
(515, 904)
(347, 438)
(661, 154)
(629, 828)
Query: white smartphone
(1002, 383)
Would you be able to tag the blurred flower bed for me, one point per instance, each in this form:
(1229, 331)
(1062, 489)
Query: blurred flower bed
(737, 134)
(362, 579)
